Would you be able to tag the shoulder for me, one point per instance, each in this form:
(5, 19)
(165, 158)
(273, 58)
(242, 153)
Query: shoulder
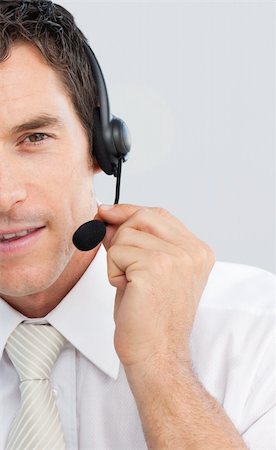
(240, 287)
(237, 307)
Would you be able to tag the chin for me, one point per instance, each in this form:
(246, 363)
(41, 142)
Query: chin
(27, 281)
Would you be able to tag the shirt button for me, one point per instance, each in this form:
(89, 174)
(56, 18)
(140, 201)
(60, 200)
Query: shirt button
(55, 392)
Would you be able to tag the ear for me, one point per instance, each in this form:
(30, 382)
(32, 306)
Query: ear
(96, 167)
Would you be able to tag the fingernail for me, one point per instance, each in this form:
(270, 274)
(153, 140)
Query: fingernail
(106, 207)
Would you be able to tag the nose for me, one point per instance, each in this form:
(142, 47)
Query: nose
(12, 191)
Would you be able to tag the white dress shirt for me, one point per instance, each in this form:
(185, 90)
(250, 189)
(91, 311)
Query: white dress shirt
(232, 347)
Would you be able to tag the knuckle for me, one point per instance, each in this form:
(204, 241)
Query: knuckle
(162, 211)
(205, 257)
(142, 212)
(208, 253)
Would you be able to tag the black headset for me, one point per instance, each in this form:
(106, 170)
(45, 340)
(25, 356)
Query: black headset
(111, 144)
(111, 137)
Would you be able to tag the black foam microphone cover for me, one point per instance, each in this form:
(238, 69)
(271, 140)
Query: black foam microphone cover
(89, 235)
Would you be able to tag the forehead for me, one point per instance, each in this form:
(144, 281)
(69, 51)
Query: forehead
(28, 84)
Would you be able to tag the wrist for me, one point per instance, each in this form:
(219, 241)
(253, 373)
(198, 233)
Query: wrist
(158, 371)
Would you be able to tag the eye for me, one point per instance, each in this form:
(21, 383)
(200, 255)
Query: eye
(35, 138)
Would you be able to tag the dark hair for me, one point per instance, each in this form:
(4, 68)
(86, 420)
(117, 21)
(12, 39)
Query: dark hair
(52, 29)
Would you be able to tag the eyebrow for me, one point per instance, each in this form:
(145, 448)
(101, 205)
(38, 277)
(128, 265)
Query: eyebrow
(42, 120)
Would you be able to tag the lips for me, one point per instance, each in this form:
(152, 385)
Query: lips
(17, 235)
(13, 242)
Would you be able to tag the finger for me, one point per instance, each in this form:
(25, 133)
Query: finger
(193, 250)
(127, 236)
(121, 262)
(159, 224)
(128, 264)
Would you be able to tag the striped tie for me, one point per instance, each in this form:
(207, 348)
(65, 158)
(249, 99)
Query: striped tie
(33, 350)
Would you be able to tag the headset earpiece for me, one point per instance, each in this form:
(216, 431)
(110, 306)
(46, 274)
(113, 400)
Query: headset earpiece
(121, 137)
(110, 143)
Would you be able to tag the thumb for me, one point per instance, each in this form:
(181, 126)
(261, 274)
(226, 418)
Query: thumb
(110, 231)
(117, 214)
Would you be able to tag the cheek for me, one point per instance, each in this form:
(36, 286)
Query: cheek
(71, 195)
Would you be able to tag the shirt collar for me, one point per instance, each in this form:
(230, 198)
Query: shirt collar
(10, 318)
(84, 317)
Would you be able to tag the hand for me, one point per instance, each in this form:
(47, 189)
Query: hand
(160, 270)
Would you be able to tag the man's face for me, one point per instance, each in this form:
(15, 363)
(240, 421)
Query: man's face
(45, 175)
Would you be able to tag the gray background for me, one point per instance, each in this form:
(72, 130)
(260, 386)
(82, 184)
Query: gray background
(195, 82)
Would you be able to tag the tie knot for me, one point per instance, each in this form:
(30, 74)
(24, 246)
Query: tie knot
(33, 350)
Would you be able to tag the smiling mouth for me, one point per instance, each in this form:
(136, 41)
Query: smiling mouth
(10, 237)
